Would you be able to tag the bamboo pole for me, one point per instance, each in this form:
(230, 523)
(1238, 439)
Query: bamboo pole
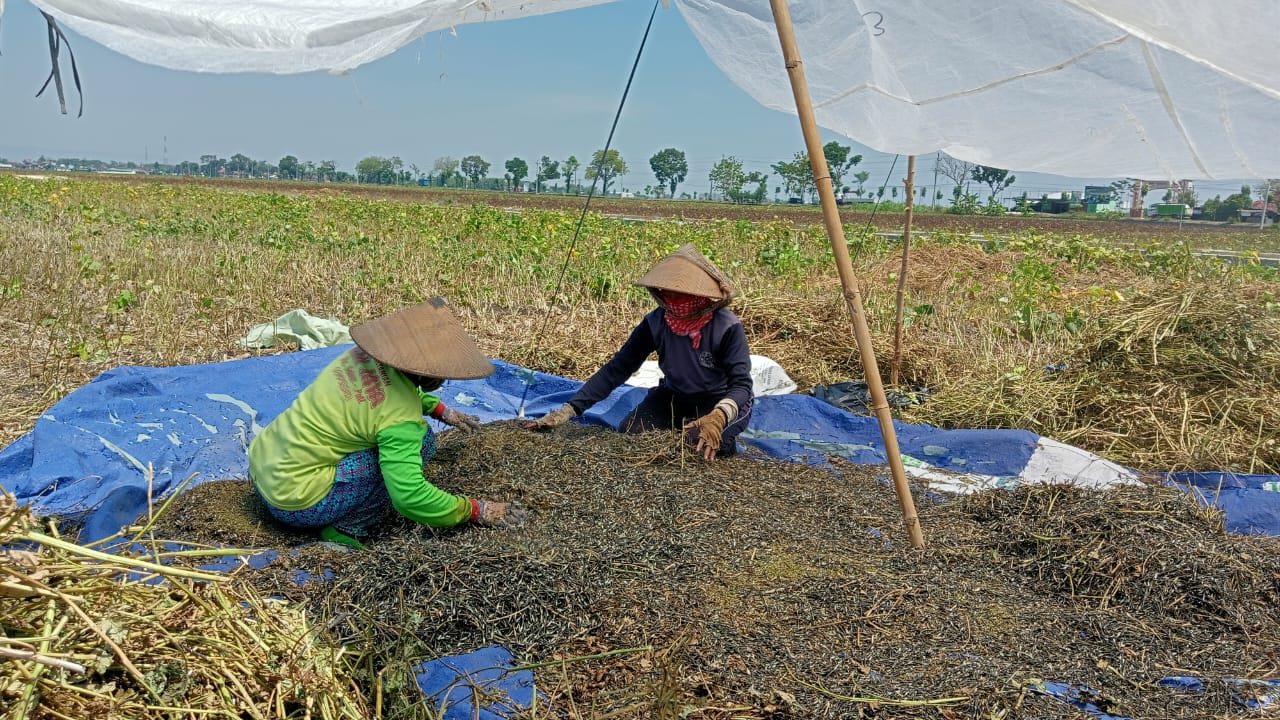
(848, 281)
(896, 368)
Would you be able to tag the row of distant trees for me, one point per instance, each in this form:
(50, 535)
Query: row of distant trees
(670, 167)
(728, 178)
(240, 165)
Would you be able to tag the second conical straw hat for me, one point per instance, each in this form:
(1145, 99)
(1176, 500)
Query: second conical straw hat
(688, 271)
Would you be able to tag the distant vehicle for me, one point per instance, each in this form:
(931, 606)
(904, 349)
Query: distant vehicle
(795, 201)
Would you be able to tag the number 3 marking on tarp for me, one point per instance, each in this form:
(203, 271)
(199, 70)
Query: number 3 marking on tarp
(878, 25)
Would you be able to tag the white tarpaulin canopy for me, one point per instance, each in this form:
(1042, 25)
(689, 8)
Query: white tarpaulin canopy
(1160, 89)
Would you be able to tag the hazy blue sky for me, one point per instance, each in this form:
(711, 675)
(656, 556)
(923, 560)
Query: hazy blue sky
(546, 85)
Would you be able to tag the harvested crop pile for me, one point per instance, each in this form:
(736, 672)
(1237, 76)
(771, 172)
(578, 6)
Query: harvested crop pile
(1194, 370)
(85, 634)
(227, 513)
(651, 584)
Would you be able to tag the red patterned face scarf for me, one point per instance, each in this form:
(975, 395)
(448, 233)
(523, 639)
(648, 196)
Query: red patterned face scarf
(686, 314)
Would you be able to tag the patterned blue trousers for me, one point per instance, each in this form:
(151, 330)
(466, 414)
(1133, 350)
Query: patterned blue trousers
(358, 499)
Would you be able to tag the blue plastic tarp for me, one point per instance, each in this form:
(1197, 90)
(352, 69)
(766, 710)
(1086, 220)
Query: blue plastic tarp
(1082, 696)
(1250, 502)
(483, 685)
(98, 452)
(801, 427)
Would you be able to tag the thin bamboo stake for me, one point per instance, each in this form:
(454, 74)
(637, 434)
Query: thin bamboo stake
(896, 368)
(848, 280)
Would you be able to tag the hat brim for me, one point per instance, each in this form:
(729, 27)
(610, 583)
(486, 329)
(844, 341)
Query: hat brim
(424, 339)
(689, 271)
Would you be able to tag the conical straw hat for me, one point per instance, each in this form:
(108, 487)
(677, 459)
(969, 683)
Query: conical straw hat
(688, 271)
(424, 339)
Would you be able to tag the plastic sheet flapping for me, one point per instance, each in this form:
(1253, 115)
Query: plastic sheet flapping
(1087, 88)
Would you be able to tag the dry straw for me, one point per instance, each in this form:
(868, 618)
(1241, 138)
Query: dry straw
(87, 633)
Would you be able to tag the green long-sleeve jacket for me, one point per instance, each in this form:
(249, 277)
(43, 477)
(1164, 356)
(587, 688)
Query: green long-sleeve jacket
(356, 403)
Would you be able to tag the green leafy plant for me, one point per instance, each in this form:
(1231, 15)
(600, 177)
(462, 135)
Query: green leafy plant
(11, 288)
(1033, 281)
(123, 300)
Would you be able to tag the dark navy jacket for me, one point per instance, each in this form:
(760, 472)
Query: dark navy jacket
(720, 367)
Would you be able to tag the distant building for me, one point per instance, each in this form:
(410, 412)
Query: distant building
(1173, 210)
(1253, 214)
(1100, 198)
(1175, 188)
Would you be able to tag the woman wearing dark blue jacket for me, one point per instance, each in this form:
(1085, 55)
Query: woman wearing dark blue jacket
(702, 351)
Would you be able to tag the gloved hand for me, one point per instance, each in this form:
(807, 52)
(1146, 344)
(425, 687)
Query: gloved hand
(500, 515)
(462, 421)
(559, 416)
(709, 427)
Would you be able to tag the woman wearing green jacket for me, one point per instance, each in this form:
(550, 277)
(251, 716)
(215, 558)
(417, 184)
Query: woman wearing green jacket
(352, 444)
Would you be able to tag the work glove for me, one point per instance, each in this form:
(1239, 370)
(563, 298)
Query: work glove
(500, 515)
(462, 421)
(556, 417)
(709, 427)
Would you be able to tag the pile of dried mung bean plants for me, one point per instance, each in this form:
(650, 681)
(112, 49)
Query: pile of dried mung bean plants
(649, 583)
(86, 633)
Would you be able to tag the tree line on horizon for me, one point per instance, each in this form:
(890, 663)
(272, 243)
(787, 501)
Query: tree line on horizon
(670, 168)
(728, 178)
